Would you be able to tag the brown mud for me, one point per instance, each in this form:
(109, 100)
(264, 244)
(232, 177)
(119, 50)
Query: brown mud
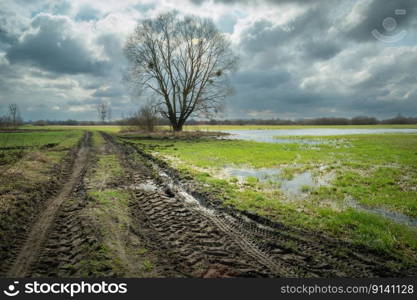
(31, 248)
(17, 219)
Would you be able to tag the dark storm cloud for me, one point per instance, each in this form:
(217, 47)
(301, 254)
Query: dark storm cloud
(5, 39)
(261, 78)
(52, 45)
(320, 49)
(305, 40)
(285, 102)
(306, 33)
(262, 35)
(8, 27)
(373, 13)
(382, 108)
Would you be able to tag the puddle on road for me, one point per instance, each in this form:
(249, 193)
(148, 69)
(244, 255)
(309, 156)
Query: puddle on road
(392, 215)
(300, 184)
(185, 195)
(147, 186)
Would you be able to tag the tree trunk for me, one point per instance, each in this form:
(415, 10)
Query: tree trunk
(177, 124)
(177, 127)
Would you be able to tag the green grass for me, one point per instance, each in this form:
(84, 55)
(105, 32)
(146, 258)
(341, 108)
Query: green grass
(212, 153)
(97, 140)
(107, 169)
(147, 265)
(26, 176)
(64, 139)
(110, 197)
(377, 170)
(14, 145)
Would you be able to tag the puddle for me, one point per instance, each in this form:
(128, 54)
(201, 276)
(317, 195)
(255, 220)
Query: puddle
(261, 174)
(148, 186)
(272, 135)
(295, 186)
(292, 187)
(185, 195)
(393, 216)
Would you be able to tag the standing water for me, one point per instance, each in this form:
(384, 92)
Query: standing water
(392, 215)
(272, 135)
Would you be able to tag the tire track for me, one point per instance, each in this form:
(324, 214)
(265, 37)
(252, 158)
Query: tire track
(30, 251)
(202, 242)
(76, 245)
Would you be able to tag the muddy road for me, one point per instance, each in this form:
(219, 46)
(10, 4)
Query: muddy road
(187, 232)
(31, 248)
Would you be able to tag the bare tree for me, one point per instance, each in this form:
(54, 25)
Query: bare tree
(184, 61)
(146, 117)
(103, 110)
(14, 114)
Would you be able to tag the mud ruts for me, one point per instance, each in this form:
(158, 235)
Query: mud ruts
(16, 222)
(209, 240)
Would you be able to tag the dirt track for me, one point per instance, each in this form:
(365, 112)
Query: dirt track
(37, 235)
(189, 235)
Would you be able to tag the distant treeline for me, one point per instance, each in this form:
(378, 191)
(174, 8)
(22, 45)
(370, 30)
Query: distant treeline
(127, 121)
(360, 120)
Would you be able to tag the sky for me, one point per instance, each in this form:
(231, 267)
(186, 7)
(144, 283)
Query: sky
(298, 59)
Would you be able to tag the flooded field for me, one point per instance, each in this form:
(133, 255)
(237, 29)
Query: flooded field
(302, 176)
(273, 135)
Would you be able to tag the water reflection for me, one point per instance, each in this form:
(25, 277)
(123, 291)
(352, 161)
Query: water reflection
(270, 135)
(296, 186)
